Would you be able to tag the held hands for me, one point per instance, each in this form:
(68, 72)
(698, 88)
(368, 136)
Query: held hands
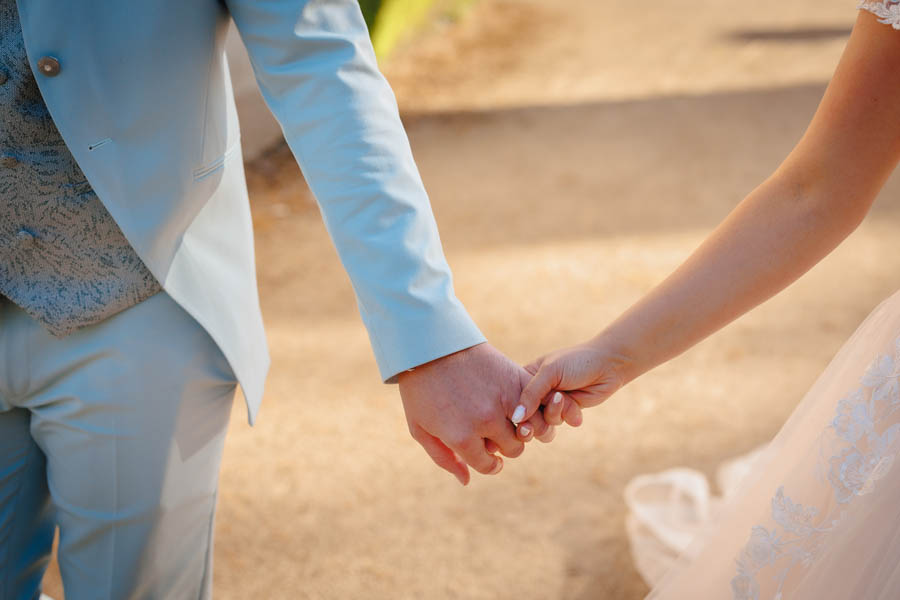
(578, 377)
(467, 407)
(459, 409)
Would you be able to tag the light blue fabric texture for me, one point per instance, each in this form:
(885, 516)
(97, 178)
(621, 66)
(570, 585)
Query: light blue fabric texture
(144, 102)
(115, 433)
(63, 259)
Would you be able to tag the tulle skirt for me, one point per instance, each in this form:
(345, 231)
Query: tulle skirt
(818, 515)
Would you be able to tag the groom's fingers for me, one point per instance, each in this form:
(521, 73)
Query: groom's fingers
(442, 456)
(547, 436)
(533, 366)
(473, 452)
(503, 434)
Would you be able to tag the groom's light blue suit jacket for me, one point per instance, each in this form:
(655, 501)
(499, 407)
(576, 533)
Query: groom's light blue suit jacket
(144, 101)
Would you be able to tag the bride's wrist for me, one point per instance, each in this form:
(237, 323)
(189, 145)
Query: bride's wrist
(618, 354)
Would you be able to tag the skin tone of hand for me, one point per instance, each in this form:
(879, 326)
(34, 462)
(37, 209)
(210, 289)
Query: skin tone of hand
(459, 409)
(588, 374)
(814, 200)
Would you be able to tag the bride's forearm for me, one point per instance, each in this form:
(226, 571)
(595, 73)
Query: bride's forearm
(814, 200)
(783, 228)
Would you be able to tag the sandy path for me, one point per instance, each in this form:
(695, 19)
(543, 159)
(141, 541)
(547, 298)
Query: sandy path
(575, 152)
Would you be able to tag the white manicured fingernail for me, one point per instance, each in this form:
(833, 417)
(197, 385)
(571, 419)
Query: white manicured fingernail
(557, 398)
(518, 414)
(525, 430)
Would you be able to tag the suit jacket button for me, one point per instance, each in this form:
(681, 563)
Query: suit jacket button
(8, 161)
(3, 77)
(48, 66)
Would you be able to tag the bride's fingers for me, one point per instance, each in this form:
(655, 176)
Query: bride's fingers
(491, 447)
(525, 432)
(547, 436)
(535, 427)
(572, 412)
(553, 409)
(534, 391)
(561, 408)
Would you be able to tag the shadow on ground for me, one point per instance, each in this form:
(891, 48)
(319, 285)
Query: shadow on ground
(788, 36)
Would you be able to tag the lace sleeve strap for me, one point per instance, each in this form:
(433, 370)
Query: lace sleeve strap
(887, 11)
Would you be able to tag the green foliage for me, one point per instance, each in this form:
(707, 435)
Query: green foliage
(395, 19)
(389, 21)
(370, 10)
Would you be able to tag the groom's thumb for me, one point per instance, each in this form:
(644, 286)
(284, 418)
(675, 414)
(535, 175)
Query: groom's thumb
(543, 382)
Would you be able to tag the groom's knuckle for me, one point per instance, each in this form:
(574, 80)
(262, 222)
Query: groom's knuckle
(515, 452)
(540, 426)
(481, 416)
(484, 467)
(547, 437)
(460, 439)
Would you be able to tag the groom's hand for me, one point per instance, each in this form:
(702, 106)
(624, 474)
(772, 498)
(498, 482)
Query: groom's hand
(459, 407)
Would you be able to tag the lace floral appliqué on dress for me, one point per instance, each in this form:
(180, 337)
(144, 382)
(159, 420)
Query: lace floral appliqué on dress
(887, 11)
(861, 444)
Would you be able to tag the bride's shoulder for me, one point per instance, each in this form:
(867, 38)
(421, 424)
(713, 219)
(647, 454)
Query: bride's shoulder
(887, 11)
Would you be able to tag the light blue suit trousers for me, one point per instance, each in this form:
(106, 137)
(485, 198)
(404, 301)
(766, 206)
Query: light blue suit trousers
(115, 433)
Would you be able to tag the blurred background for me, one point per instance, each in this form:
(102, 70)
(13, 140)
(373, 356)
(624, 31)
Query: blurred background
(575, 152)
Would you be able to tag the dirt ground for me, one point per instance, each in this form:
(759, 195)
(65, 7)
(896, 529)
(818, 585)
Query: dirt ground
(575, 152)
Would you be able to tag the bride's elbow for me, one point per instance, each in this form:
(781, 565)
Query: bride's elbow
(827, 198)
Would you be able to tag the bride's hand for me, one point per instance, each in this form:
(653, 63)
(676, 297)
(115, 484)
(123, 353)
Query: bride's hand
(568, 380)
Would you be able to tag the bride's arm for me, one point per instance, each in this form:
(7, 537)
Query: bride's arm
(814, 200)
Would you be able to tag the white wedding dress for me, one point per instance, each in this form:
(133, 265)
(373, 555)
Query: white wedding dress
(817, 515)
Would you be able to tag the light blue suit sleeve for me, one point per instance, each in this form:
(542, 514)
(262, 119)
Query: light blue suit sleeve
(316, 69)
